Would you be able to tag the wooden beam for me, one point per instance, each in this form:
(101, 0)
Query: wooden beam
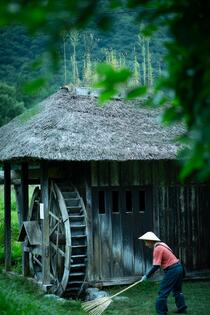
(34, 174)
(24, 190)
(24, 214)
(7, 216)
(89, 220)
(45, 225)
(13, 177)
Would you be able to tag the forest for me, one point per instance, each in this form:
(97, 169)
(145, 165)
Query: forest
(24, 60)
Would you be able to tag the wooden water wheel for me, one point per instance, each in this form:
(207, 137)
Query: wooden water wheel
(68, 240)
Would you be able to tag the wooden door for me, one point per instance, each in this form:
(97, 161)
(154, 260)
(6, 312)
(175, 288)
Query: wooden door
(120, 216)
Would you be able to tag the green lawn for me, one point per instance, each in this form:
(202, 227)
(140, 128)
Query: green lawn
(18, 296)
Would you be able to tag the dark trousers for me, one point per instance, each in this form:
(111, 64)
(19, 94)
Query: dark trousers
(172, 282)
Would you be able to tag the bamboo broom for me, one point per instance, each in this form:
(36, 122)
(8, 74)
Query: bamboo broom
(98, 306)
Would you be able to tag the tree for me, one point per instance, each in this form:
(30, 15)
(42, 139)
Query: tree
(9, 106)
(143, 52)
(136, 70)
(187, 81)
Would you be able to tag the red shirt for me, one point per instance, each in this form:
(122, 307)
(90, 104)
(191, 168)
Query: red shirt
(162, 256)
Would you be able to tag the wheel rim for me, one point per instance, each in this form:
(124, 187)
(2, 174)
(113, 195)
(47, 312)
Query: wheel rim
(68, 239)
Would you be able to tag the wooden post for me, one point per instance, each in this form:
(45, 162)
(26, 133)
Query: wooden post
(45, 225)
(24, 214)
(18, 193)
(7, 216)
(89, 220)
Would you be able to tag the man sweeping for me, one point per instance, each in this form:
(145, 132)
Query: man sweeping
(164, 258)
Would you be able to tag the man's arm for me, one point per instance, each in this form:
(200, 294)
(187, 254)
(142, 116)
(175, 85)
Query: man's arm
(152, 271)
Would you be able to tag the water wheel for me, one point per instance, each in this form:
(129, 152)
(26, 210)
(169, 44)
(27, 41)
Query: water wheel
(68, 240)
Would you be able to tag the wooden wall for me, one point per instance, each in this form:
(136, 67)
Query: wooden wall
(179, 214)
(117, 251)
(183, 216)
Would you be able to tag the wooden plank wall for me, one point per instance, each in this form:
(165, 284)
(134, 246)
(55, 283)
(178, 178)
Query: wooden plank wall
(184, 222)
(179, 214)
(117, 251)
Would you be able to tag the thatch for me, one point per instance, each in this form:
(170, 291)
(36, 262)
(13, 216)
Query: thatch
(76, 128)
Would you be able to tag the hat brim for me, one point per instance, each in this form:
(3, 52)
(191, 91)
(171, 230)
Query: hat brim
(149, 236)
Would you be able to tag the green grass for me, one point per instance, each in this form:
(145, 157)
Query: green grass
(21, 297)
(16, 246)
(142, 300)
(18, 296)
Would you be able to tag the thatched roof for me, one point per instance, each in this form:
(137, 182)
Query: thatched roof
(76, 128)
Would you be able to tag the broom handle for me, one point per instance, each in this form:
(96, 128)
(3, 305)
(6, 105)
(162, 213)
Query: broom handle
(132, 285)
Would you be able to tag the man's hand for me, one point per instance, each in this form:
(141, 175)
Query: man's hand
(143, 278)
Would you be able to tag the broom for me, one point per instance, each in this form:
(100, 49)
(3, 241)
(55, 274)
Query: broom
(98, 306)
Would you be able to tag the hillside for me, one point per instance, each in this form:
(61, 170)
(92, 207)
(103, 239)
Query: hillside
(24, 58)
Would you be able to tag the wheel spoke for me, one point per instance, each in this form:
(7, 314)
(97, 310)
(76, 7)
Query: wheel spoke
(54, 216)
(57, 236)
(56, 257)
(54, 228)
(52, 277)
(37, 261)
(53, 191)
(57, 249)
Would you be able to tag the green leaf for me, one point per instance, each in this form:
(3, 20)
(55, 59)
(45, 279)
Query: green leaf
(104, 69)
(148, 30)
(110, 80)
(34, 85)
(115, 4)
(112, 76)
(193, 159)
(139, 91)
(170, 115)
(106, 95)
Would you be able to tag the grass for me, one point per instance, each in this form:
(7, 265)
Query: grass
(27, 298)
(18, 296)
(16, 246)
(142, 300)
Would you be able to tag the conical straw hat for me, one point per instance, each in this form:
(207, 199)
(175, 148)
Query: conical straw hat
(149, 236)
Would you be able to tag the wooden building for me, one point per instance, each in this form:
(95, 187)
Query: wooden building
(103, 176)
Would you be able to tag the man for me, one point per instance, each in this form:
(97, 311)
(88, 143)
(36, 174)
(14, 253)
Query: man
(164, 258)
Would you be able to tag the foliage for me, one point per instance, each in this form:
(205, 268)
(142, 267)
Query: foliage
(188, 79)
(25, 65)
(9, 105)
(110, 79)
(188, 71)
